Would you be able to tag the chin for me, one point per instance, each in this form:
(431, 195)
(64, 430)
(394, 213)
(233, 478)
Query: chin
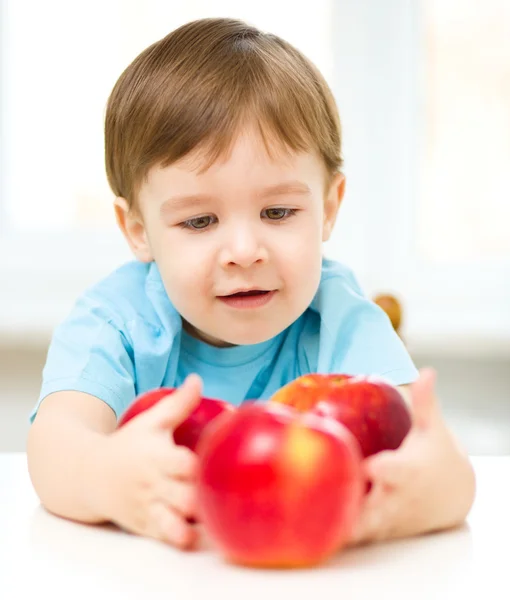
(221, 341)
(254, 334)
(234, 333)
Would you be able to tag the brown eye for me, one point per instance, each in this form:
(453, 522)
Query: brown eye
(199, 222)
(276, 214)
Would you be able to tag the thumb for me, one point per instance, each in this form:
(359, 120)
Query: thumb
(171, 411)
(424, 402)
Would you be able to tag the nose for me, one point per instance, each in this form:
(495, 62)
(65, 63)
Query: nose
(243, 247)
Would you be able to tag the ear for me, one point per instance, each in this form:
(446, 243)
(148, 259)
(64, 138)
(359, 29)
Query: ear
(131, 224)
(332, 201)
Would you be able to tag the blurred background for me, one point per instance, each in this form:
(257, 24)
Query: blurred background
(423, 89)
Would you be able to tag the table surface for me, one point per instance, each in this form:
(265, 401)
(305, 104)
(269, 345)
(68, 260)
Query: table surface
(52, 557)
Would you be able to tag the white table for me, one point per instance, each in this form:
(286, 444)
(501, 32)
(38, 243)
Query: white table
(43, 556)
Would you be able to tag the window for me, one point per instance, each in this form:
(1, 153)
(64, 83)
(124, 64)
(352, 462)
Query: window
(424, 91)
(464, 203)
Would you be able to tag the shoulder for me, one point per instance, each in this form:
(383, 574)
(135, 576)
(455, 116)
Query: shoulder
(127, 279)
(133, 301)
(356, 335)
(338, 287)
(121, 296)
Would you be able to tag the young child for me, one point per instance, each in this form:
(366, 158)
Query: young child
(223, 150)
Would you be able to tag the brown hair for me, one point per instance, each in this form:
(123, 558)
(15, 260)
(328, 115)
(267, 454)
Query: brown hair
(199, 85)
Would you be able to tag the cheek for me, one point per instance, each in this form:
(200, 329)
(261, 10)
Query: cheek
(300, 258)
(302, 245)
(186, 286)
(188, 272)
(184, 266)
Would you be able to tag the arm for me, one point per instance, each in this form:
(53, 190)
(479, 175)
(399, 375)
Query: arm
(84, 468)
(426, 485)
(65, 453)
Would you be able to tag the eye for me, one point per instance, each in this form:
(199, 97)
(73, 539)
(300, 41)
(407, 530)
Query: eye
(279, 214)
(197, 223)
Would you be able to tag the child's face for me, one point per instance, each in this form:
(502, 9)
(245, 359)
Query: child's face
(250, 221)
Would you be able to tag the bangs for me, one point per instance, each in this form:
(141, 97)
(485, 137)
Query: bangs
(212, 139)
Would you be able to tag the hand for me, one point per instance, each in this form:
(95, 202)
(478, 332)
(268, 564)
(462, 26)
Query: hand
(425, 485)
(148, 481)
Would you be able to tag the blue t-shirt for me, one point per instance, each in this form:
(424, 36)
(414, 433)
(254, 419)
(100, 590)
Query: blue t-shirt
(124, 337)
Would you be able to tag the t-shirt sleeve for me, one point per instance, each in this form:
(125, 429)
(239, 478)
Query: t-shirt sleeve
(357, 336)
(90, 353)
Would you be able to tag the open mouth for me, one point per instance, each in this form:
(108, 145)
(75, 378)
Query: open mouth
(248, 299)
(248, 293)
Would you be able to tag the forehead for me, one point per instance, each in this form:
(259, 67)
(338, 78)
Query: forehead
(249, 161)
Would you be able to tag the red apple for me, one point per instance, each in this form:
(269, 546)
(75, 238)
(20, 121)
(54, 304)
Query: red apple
(189, 431)
(277, 488)
(304, 392)
(372, 409)
(143, 402)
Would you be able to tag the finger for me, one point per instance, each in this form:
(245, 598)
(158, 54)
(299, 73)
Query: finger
(424, 403)
(179, 495)
(168, 526)
(369, 525)
(179, 462)
(171, 411)
(386, 468)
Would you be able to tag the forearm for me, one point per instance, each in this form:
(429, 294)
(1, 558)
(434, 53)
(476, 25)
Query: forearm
(67, 467)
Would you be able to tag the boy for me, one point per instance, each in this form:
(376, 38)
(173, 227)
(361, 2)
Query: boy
(223, 149)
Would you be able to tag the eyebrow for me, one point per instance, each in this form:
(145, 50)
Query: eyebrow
(193, 200)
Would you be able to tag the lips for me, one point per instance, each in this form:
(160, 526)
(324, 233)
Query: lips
(248, 299)
(248, 293)
(240, 293)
